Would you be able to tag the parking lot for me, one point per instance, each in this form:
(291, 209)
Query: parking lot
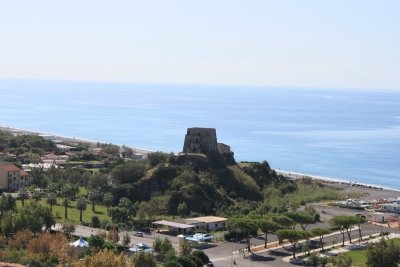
(225, 254)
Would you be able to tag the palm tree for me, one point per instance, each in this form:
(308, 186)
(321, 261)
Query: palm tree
(93, 197)
(81, 206)
(65, 203)
(69, 191)
(23, 194)
(52, 188)
(52, 200)
(108, 200)
(37, 195)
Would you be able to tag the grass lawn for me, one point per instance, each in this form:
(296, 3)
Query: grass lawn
(358, 257)
(73, 212)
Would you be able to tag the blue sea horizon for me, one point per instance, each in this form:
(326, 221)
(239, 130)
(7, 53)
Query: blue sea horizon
(351, 135)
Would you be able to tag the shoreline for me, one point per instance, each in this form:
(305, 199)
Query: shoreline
(341, 182)
(290, 174)
(67, 138)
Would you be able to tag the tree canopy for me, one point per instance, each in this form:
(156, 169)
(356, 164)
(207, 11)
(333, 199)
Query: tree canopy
(344, 222)
(293, 236)
(384, 253)
(267, 225)
(246, 226)
(128, 172)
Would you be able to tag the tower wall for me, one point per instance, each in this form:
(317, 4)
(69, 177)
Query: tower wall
(200, 140)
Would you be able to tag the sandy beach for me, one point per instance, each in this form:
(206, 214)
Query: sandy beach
(370, 192)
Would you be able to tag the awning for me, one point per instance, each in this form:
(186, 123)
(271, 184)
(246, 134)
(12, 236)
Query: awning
(174, 224)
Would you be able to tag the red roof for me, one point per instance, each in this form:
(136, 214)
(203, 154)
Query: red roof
(5, 264)
(9, 167)
(23, 173)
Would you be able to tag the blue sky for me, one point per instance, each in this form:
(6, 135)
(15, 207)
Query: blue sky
(339, 44)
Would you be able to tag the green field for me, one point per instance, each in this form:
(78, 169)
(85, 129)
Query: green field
(359, 257)
(73, 212)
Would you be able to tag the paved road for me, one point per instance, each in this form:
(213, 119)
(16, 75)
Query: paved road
(226, 253)
(223, 256)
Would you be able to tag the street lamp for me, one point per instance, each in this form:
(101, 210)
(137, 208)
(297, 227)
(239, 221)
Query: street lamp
(231, 251)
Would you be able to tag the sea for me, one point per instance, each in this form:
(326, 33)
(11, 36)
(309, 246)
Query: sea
(343, 134)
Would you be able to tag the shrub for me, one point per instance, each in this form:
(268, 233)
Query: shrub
(317, 217)
(95, 222)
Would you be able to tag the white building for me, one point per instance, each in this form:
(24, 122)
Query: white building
(391, 207)
(64, 148)
(208, 223)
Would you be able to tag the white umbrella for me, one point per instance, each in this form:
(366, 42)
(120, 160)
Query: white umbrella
(80, 243)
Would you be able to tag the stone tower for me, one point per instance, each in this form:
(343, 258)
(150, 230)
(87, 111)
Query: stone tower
(200, 140)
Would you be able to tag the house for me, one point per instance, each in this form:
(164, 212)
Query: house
(173, 227)
(55, 159)
(12, 178)
(64, 148)
(208, 223)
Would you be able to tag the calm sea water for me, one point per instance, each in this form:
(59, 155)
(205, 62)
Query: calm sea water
(344, 134)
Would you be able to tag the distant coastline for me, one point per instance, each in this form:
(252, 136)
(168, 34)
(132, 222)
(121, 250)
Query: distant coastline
(290, 174)
(308, 131)
(66, 139)
(295, 175)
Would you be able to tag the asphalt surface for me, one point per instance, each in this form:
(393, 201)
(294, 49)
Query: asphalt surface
(227, 254)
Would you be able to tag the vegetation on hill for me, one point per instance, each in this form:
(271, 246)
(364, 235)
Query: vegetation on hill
(25, 143)
(162, 182)
(99, 188)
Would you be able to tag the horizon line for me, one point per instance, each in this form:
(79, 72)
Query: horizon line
(253, 86)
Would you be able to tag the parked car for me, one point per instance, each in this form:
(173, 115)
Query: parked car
(200, 237)
(298, 261)
(138, 234)
(210, 264)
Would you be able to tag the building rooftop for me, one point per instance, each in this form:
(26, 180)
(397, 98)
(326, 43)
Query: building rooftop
(173, 224)
(9, 167)
(206, 219)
